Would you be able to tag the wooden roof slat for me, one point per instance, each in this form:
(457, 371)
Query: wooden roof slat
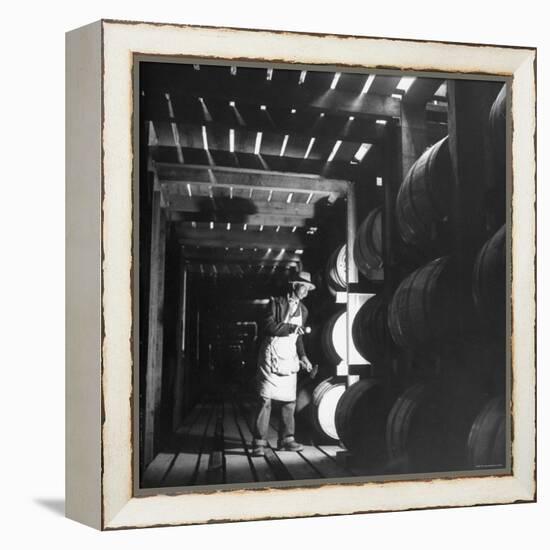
(244, 141)
(284, 78)
(274, 119)
(184, 109)
(317, 80)
(321, 149)
(384, 85)
(165, 136)
(347, 151)
(422, 90)
(217, 136)
(368, 105)
(296, 146)
(352, 82)
(271, 143)
(251, 84)
(218, 139)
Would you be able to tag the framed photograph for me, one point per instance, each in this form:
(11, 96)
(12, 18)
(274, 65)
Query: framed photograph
(300, 274)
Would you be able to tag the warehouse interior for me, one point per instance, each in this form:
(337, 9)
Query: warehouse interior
(391, 191)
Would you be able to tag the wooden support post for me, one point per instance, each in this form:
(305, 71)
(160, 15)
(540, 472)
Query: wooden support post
(352, 278)
(391, 182)
(352, 271)
(180, 382)
(153, 377)
(413, 134)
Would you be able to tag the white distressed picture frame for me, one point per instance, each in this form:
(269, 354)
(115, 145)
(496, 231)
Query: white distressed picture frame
(99, 266)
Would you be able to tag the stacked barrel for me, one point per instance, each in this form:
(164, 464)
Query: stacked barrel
(367, 249)
(317, 398)
(335, 272)
(434, 332)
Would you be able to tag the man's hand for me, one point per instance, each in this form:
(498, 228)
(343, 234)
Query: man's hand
(306, 364)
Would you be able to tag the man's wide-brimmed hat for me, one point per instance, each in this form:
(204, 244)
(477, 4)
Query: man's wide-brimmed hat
(304, 278)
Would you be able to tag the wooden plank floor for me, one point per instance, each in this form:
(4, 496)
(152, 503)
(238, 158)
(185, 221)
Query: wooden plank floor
(214, 446)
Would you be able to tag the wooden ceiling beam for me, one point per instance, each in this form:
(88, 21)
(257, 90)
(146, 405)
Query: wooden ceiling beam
(190, 135)
(369, 105)
(221, 216)
(248, 256)
(220, 267)
(216, 238)
(246, 178)
(339, 170)
(274, 120)
(238, 209)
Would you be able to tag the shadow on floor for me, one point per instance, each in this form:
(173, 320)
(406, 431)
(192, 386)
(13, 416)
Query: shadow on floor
(55, 505)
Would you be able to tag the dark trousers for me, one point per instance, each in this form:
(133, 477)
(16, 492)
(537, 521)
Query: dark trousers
(261, 423)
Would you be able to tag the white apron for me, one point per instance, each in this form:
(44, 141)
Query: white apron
(278, 363)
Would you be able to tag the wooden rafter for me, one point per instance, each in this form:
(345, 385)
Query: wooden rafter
(247, 178)
(238, 210)
(422, 90)
(217, 238)
(252, 220)
(335, 169)
(274, 120)
(334, 101)
(248, 256)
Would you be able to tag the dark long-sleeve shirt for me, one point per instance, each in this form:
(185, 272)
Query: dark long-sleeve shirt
(273, 324)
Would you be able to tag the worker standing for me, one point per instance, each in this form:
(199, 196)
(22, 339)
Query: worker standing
(280, 357)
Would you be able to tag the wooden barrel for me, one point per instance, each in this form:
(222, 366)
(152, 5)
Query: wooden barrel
(400, 422)
(304, 393)
(428, 427)
(367, 248)
(334, 338)
(335, 271)
(423, 200)
(361, 419)
(489, 281)
(423, 312)
(370, 331)
(497, 128)
(324, 400)
(486, 445)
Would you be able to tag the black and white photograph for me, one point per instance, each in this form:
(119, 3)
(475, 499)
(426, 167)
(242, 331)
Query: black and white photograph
(322, 275)
(275, 275)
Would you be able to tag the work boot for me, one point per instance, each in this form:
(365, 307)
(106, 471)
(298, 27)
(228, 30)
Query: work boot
(258, 447)
(290, 444)
(259, 450)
